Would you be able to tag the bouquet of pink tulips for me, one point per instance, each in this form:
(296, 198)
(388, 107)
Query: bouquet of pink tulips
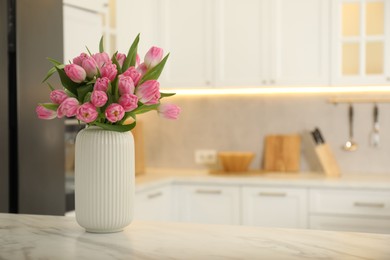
(105, 92)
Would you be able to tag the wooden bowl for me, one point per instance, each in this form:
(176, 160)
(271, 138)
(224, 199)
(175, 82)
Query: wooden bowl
(235, 161)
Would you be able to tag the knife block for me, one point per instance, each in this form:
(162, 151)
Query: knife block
(327, 160)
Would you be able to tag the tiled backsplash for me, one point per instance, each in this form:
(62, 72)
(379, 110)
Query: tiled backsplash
(239, 123)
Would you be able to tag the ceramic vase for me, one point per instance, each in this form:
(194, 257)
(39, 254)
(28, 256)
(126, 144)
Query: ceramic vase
(104, 179)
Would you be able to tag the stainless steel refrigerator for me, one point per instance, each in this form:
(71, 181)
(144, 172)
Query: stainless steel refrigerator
(31, 150)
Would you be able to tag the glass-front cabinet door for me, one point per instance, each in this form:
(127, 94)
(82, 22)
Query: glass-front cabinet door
(361, 42)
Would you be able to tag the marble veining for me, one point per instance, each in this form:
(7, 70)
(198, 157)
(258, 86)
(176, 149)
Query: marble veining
(53, 237)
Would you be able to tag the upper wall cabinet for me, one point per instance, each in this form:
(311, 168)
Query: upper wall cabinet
(272, 42)
(361, 43)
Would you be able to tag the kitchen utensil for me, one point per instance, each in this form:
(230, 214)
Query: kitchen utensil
(282, 153)
(375, 128)
(235, 161)
(350, 145)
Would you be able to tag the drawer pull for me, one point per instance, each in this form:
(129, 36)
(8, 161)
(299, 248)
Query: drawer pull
(208, 191)
(273, 194)
(155, 195)
(369, 204)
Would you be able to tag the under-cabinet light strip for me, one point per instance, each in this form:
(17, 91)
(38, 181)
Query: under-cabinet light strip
(282, 90)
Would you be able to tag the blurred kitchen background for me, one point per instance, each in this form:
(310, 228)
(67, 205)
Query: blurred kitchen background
(243, 70)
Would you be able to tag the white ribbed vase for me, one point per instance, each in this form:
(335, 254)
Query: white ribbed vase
(104, 179)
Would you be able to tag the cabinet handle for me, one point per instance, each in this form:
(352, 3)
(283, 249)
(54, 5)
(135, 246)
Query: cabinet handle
(388, 78)
(208, 191)
(273, 194)
(272, 81)
(155, 195)
(369, 204)
(264, 82)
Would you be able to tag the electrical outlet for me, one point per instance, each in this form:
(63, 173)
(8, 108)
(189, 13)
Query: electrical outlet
(205, 157)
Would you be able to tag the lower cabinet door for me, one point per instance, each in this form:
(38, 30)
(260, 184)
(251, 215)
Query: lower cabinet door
(154, 204)
(275, 207)
(208, 204)
(354, 224)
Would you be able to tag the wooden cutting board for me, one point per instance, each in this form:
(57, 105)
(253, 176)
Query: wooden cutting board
(282, 153)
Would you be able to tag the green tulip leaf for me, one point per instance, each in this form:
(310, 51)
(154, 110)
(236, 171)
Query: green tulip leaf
(101, 46)
(50, 106)
(145, 108)
(82, 92)
(67, 82)
(51, 72)
(163, 95)
(55, 62)
(115, 61)
(155, 72)
(87, 97)
(117, 128)
(50, 86)
(131, 55)
(90, 54)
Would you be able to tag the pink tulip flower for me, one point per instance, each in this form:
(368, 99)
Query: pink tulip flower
(99, 98)
(149, 92)
(90, 67)
(153, 57)
(125, 85)
(75, 72)
(134, 74)
(101, 84)
(87, 113)
(114, 112)
(120, 57)
(109, 71)
(68, 107)
(79, 59)
(142, 69)
(169, 111)
(137, 60)
(44, 113)
(58, 96)
(128, 102)
(101, 59)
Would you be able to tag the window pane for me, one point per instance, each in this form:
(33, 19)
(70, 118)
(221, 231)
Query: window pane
(350, 19)
(374, 18)
(374, 58)
(350, 59)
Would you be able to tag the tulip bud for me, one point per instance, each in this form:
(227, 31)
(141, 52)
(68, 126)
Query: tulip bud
(101, 59)
(99, 98)
(75, 72)
(79, 59)
(101, 84)
(149, 92)
(142, 69)
(125, 85)
(120, 57)
(58, 96)
(68, 107)
(114, 112)
(44, 113)
(134, 74)
(169, 111)
(109, 71)
(129, 102)
(87, 113)
(153, 57)
(90, 67)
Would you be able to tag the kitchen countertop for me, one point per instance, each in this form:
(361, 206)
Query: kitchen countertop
(157, 177)
(54, 237)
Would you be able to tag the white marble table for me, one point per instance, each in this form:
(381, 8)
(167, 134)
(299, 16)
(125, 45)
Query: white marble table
(50, 237)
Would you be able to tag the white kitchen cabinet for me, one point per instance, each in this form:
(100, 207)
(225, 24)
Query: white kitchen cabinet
(209, 204)
(274, 207)
(284, 42)
(187, 35)
(350, 210)
(155, 204)
(360, 42)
